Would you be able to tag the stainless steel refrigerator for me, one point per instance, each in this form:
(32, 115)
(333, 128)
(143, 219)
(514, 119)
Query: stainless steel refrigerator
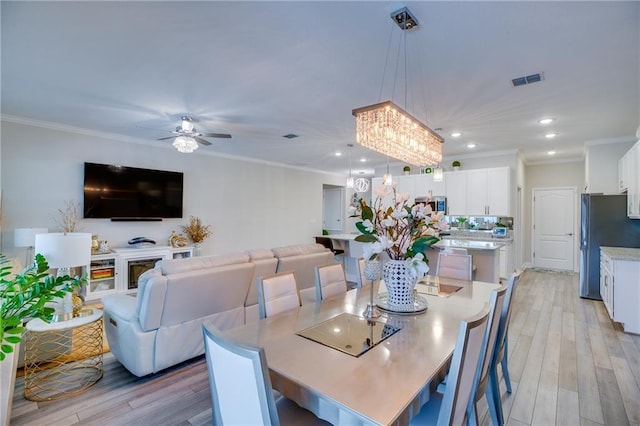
(604, 222)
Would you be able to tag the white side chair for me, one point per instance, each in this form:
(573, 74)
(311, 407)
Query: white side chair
(488, 350)
(277, 293)
(330, 281)
(450, 408)
(458, 266)
(501, 353)
(241, 388)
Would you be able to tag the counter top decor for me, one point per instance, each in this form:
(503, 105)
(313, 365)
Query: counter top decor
(403, 232)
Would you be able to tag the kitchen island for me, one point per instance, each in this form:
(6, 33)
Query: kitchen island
(486, 258)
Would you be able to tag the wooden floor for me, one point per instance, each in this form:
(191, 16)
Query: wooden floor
(569, 364)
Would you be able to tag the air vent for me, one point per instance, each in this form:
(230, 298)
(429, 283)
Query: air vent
(290, 136)
(532, 78)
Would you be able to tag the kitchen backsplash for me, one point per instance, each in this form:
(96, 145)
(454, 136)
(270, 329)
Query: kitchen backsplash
(479, 222)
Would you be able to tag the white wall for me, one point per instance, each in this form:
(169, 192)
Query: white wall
(601, 166)
(247, 204)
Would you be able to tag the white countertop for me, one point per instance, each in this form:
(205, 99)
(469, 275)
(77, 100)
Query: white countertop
(469, 244)
(342, 236)
(622, 253)
(477, 235)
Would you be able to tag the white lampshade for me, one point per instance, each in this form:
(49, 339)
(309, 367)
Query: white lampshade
(26, 237)
(65, 250)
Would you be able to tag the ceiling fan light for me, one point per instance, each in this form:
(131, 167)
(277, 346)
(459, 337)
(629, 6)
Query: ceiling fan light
(185, 145)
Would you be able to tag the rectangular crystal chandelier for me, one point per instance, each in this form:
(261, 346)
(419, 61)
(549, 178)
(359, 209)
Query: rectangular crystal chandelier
(391, 131)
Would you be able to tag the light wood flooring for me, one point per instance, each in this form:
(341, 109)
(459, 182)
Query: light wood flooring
(569, 365)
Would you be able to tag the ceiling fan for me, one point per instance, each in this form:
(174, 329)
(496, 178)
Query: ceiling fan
(187, 137)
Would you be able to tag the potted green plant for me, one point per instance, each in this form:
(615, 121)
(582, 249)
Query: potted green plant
(456, 165)
(24, 296)
(406, 170)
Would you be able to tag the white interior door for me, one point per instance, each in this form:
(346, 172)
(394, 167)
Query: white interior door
(332, 209)
(554, 228)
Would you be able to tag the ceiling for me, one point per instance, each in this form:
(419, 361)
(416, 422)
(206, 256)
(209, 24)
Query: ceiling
(261, 70)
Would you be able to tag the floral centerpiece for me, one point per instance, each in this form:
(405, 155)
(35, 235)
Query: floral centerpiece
(401, 231)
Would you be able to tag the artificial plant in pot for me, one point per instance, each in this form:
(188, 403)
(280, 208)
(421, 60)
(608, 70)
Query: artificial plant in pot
(24, 296)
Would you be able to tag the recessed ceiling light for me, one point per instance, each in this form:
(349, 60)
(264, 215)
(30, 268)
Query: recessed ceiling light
(471, 145)
(456, 134)
(551, 152)
(547, 120)
(363, 160)
(550, 135)
(338, 154)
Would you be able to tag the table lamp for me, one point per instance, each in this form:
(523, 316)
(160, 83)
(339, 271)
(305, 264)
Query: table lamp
(26, 237)
(64, 251)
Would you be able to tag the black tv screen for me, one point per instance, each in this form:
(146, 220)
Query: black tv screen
(130, 193)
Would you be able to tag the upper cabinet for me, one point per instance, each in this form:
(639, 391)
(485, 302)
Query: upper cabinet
(632, 161)
(456, 185)
(479, 192)
(426, 187)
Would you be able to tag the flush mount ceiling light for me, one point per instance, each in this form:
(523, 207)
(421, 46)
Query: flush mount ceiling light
(547, 120)
(550, 135)
(551, 152)
(471, 145)
(185, 144)
(390, 130)
(456, 134)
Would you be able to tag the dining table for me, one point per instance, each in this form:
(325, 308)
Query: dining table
(349, 370)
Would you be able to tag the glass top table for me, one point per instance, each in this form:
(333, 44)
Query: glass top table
(348, 333)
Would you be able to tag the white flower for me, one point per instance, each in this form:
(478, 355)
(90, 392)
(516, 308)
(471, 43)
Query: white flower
(371, 250)
(418, 211)
(368, 225)
(417, 266)
(388, 222)
(402, 197)
(381, 191)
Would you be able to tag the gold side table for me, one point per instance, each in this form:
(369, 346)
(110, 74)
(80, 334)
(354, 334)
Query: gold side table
(62, 358)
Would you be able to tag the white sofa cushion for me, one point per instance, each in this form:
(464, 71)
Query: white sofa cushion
(175, 266)
(298, 250)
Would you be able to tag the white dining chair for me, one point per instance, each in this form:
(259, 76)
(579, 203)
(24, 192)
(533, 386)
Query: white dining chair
(501, 351)
(450, 408)
(488, 350)
(329, 280)
(458, 266)
(277, 293)
(240, 385)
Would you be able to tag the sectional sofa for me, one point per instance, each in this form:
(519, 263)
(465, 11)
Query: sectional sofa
(161, 325)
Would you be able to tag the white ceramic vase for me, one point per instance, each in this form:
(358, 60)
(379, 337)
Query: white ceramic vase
(399, 283)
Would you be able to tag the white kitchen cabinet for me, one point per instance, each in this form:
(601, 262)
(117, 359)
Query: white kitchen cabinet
(620, 285)
(623, 172)
(406, 183)
(506, 259)
(426, 187)
(456, 192)
(479, 192)
(386, 201)
(499, 191)
(633, 185)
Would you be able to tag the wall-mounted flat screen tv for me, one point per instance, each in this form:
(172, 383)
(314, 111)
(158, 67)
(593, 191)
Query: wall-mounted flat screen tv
(130, 193)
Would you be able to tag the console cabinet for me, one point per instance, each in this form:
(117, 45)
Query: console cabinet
(620, 285)
(118, 271)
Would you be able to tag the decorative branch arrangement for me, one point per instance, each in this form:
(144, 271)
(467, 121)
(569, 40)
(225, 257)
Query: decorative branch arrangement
(196, 231)
(69, 216)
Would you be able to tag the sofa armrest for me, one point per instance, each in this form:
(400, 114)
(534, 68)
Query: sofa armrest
(121, 306)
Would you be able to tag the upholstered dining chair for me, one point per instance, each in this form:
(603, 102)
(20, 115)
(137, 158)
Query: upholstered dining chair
(277, 293)
(501, 351)
(459, 266)
(329, 280)
(241, 388)
(488, 350)
(450, 408)
(328, 243)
